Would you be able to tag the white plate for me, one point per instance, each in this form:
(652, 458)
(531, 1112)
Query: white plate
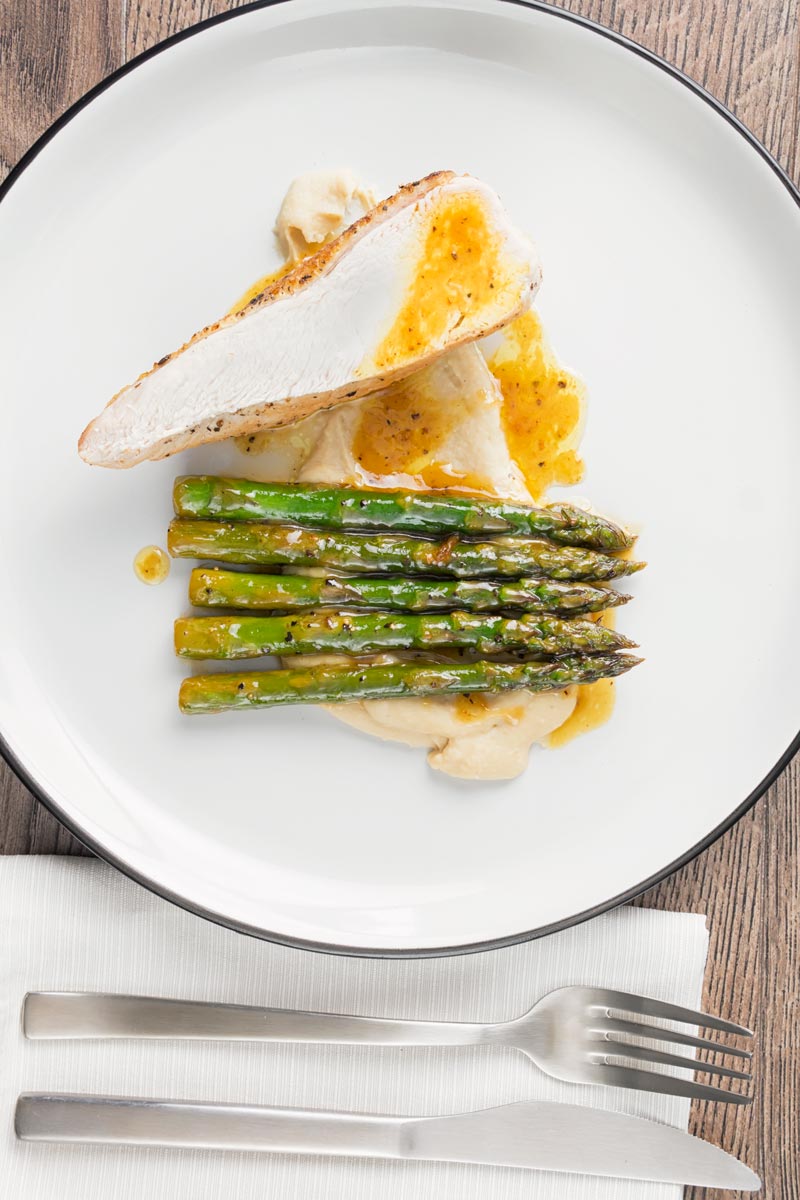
(671, 247)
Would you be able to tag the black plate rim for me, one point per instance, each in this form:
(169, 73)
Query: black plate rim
(426, 952)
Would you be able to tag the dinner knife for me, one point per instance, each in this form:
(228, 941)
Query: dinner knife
(531, 1134)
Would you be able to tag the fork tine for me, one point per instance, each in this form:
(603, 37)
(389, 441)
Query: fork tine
(668, 1085)
(659, 1034)
(644, 1006)
(648, 1054)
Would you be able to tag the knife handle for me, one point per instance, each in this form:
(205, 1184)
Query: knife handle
(109, 1120)
(55, 1015)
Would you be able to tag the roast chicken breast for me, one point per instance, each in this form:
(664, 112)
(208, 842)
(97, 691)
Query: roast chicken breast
(437, 265)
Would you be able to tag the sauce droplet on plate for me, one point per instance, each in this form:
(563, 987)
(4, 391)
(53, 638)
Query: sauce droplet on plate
(151, 565)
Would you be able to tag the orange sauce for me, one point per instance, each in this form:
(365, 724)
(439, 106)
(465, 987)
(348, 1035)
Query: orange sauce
(151, 565)
(266, 281)
(458, 270)
(402, 432)
(594, 706)
(471, 706)
(258, 287)
(542, 406)
(595, 702)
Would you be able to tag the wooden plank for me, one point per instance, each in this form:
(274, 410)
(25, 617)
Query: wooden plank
(779, 999)
(149, 23)
(727, 884)
(746, 54)
(27, 827)
(51, 52)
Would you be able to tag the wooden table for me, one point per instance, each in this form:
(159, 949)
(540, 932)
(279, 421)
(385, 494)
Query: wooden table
(747, 52)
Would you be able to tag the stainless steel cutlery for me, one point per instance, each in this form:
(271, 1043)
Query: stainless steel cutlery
(580, 1034)
(535, 1134)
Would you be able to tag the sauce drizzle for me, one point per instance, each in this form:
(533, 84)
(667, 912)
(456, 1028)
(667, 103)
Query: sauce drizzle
(402, 432)
(595, 701)
(459, 270)
(472, 706)
(258, 287)
(593, 707)
(542, 406)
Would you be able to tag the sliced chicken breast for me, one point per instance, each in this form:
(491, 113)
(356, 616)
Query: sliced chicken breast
(437, 265)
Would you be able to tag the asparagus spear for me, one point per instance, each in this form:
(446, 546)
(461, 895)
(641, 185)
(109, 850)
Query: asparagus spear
(286, 545)
(432, 513)
(334, 684)
(214, 588)
(328, 630)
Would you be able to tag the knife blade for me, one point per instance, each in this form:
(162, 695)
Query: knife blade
(530, 1134)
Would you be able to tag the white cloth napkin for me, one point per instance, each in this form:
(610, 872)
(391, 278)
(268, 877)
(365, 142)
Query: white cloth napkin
(72, 924)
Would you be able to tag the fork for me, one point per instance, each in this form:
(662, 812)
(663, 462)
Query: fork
(572, 1033)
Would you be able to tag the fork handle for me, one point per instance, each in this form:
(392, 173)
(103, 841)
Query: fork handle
(59, 1015)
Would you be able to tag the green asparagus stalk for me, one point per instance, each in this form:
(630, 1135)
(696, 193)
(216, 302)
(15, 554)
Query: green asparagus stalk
(331, 631)
(287, 545)
(214, 588)
(335, 684)
(432, 513)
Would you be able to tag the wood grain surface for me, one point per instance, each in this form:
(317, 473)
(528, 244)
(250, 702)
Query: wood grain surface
(747, 52)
